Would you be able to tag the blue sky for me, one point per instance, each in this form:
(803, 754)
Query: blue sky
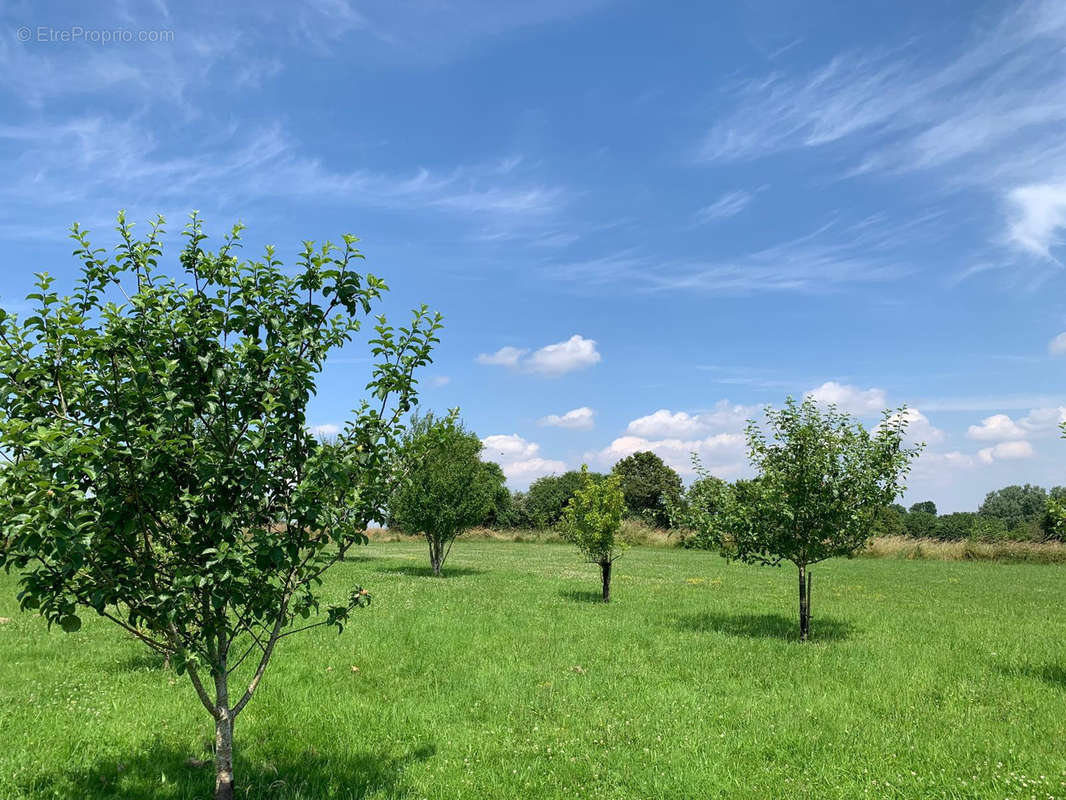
(641, 222)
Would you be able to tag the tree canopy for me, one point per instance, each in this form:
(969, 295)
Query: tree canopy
(650, 486)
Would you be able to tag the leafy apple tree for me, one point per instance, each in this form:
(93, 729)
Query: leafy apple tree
(442, 487)
(159, 469)
(592, 521)
(820, 480)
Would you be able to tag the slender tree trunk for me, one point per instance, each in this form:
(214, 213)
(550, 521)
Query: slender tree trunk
(805, 602)
(223, 731)
(436, 551)
(605, 569)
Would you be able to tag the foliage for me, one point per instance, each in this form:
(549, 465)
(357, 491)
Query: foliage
(501, 510)
(548, 496)
(955, 527)
(698, 514)
(442, 486)
(920, 524)
(1015, 505)
(650, 486)
(592, 520)
(160, 472)
(925, 507)
(889, 521)
(821, 478)
(1055, 518)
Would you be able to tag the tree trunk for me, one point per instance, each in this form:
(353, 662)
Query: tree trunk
(436, 553)
(223, 737)
(605, 569)
(224, 756)
(805, 602)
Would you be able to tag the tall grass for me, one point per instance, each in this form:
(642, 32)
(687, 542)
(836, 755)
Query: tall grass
(966, 550)
(903, 547)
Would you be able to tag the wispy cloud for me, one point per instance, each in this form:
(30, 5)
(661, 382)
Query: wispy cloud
(728, 205)
(825, 259)
(989, 114)
(119, 163)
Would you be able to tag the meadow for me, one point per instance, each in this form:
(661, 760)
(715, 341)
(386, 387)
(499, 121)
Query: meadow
(506, 678)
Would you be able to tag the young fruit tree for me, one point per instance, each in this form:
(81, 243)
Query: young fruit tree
(442, 487)
(592, 521)
(159, 468)
(820, 480)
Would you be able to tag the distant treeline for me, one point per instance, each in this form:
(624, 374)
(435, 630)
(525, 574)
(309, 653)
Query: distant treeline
(1014, 513)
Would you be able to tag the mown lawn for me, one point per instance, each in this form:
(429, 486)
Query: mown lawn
(506, 680)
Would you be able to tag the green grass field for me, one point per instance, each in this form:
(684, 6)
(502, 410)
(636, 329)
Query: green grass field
(506, 680)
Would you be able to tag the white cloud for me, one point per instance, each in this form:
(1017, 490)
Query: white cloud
(666, 424)
(550, 361)
(728, 205)
(504, 357)
(1005, 451)
(328, 429)
(440, 380)
(1057, 346)
(996, 428)
(519, 458)
(721, 453)
(919, 428)
(578, 418)
(1044, 420)
(850, 399)
(1039, 213)
(576, 352)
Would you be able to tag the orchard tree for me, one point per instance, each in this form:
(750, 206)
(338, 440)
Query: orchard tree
(821, 478)
(160, 472)
(650, 486)
(443, 488)
(592, 520)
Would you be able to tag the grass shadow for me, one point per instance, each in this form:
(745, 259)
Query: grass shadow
(764, 626)
(1054, 674)
(144, 661)
(424, 570)
(163, 772)
(582, 596)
